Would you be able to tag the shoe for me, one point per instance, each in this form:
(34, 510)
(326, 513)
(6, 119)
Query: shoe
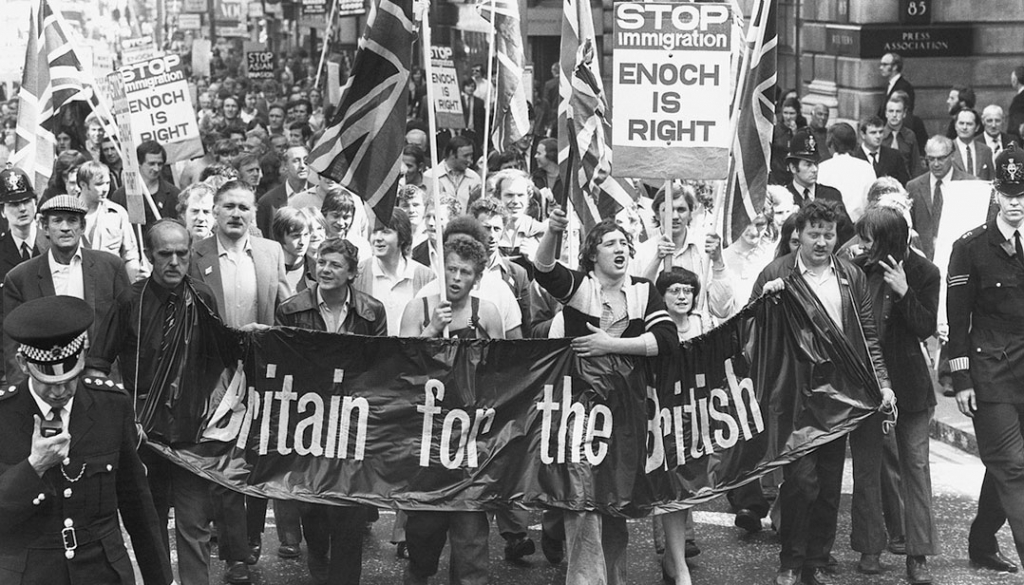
(288, 551)
(786, 577)
(255, 550)
(238, 572)
(553, 549)
(402, 550)
(519, 547)
(816, 576)
(917, 571)
(898, 546)
(869, 564)
(748, 520)
(994, 561)
(832, 566)
(692, 549)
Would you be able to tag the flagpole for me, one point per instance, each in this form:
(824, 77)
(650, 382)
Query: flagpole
(488, 98)
(327, 38)
(428, 68)
(666, 221)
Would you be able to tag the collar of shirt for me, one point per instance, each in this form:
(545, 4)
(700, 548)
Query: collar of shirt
(58, 267)
(162, 293)
(224, 251)
(868, 153)
(499, 263)
(289, 191)
(946, 179)
(406, 270)
(30, 240)
(803, 269)
(800, 190)
(893, 79)
(336, 321)
(65, 412)
(1007, 229)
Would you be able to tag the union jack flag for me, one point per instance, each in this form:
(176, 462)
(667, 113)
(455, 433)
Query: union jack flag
(755, 109)
(53, 77)
(362, 146)
(511, 116)
(583, 154)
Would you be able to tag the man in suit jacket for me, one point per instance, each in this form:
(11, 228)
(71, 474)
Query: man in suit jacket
(1015, 114)
(247, 276)
(994, 137)
(927, 209)
(970, 154)
(474, 110)
(885, 161)
(891, 68)
(70, 469)
(803, 165)
(296, 175)
(68, 268)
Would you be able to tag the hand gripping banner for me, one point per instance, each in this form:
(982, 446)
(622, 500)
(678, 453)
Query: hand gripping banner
(474, 425)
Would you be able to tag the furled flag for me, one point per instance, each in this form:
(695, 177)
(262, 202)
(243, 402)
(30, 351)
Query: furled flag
(53, 77)
(754, 117)
(583, 154)
(511, 117)
(362, 146)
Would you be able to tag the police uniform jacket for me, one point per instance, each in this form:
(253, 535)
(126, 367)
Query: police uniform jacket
(103, 477)
(985, 306)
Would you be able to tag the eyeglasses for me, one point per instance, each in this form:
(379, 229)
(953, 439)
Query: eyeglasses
(933, 159)
(680, 289)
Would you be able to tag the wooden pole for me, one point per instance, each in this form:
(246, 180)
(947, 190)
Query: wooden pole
(488, 101)
(327, 40)
(666, 221)
(440, 219)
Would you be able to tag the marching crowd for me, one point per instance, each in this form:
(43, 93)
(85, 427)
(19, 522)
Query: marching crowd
(253, 233)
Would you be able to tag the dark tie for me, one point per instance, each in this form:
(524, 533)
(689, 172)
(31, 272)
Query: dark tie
(970, 161)
(1016, 244)
(26, 254)
(937, 203)
(55, 414)
(807, 195)
(169, 315)
(874, 159)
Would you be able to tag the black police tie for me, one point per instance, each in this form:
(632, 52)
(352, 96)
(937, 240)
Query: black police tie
(807, 195)
(170, 310)
(55, 414)
(937, 201)
(874, 159)
(26, 254)
(1020, 250)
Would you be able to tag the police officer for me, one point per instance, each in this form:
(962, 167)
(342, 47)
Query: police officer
(68, 462)
(985, 304)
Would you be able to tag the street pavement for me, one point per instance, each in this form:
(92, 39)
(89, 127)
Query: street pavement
(729, 556)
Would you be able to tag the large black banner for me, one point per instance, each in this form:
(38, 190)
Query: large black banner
(469, 425)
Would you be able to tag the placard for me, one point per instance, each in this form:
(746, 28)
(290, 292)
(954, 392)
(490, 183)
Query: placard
(260, 64)
(202, 52)
(137, 50)
(160, 107)
(671, 89)
(447, 96)
(196, 6)
(135, 202)
(350, 7)
(190, 22)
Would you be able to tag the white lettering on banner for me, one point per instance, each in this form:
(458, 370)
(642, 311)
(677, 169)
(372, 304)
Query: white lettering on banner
(717, 421)
(467, 435)
(597, 423)
(632, 16)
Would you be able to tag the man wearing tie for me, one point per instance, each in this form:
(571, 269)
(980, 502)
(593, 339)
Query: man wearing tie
(995, 138)
(927, 190)
(802, 163)
(884, 160)
(473, 110)
(898, 136)
(971, 155)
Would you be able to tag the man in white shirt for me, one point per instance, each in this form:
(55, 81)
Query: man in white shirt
(296, 180)
(995, 138)
(851, 175)
(67, 268)
(455, 179)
